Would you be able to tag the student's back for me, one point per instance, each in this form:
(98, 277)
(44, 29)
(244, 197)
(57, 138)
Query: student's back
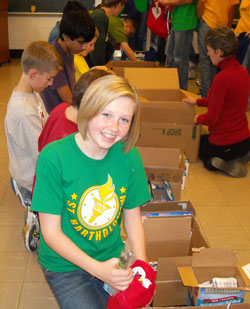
(25, 118)
(26, 114)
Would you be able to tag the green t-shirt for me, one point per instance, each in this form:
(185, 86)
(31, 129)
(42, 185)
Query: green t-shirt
(184, 17)
(116, 30)
(89, 196)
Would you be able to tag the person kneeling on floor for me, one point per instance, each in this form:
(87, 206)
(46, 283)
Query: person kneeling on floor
(227, 147)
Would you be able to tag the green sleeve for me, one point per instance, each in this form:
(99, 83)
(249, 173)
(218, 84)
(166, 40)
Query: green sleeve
(116, 30)
(48, 191)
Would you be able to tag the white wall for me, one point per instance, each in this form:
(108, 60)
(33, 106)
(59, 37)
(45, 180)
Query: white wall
(25, 28)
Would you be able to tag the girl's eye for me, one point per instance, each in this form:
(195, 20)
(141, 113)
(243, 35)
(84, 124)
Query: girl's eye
(125, 120)
(106, 115)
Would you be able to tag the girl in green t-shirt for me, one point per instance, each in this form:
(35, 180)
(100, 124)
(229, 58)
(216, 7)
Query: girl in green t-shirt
(85, 182)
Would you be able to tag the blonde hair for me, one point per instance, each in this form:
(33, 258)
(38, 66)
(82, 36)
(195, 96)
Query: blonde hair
(99, 94)
(42, 56)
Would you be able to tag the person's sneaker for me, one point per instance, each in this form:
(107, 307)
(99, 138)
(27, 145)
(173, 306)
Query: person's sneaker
(24, 197)
(244, 159)
(191, 74)
(233, 169)
(192, 70)
(31, 230)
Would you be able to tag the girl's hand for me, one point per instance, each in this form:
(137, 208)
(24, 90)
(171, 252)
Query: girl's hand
(195, 118)
(189, 100)
(118, 278)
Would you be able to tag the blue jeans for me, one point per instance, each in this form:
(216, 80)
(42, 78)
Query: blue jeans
(77, 289)
(207, 70)
(178, 49)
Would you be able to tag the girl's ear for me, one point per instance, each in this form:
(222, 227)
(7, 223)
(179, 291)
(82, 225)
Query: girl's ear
(33, 73)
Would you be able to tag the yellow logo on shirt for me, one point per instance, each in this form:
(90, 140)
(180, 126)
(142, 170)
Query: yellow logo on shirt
(98, 206)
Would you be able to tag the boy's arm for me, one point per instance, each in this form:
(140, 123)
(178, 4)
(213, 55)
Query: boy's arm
(200, 8)
(175, 2)
(65, 94)
(128, 51)
(135, 232)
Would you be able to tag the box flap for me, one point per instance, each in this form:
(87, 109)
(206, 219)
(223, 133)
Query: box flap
(167, 112)
(161, 157)
(243, 275)
(168, 207)
(187, 276)
(197, 240)
(152, 78)
(167, 267)
(214, 257)
(167, 229)
(186, 93)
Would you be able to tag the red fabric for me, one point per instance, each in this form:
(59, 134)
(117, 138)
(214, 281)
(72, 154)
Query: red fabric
(136, 295)
(160, 25)
(56, 127)
(226, 104)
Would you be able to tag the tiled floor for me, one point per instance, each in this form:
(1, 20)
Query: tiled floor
(222, 205)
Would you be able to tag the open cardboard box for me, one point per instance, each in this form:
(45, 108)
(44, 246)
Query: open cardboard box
(163, 163)
(206, 265)
(171, 241)
(166, 121)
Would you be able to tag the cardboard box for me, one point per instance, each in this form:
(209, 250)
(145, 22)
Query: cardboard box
(171, 241)
(166, 121)
(206, 265)
(169, 125)
(163, 163)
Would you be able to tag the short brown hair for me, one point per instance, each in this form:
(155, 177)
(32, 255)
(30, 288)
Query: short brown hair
(83, 83)
(99, 94)
(42, 56)
(222, 38)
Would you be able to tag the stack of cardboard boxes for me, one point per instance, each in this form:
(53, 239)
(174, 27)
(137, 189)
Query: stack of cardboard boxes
(168, 140)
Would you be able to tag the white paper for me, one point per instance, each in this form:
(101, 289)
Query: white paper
(97, 2)
(246, 269)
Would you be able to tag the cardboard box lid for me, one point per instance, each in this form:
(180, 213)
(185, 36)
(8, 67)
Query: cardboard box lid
(167, 268)
(152, 78)
(162, 157)
(214, 257)
(162, 229)
(168, 207)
